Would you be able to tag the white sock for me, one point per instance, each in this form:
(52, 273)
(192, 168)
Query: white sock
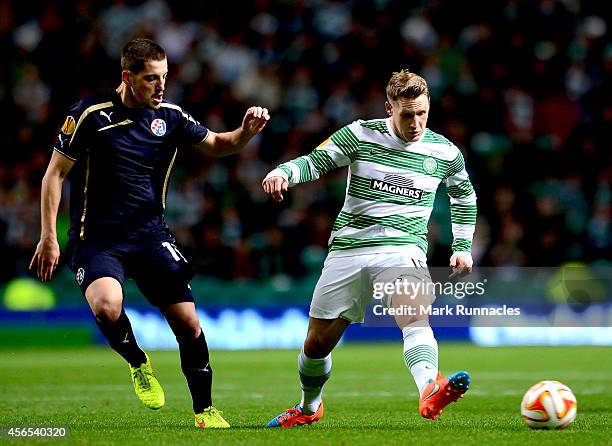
(421, 354)
(313, 375)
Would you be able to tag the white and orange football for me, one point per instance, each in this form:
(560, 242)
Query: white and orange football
(549, 405)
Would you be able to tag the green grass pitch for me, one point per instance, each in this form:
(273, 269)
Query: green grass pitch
(371, 398)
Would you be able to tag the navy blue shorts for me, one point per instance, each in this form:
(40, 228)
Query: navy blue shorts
(159, 269)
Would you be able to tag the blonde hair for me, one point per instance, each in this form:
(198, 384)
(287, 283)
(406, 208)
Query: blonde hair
(405, 84)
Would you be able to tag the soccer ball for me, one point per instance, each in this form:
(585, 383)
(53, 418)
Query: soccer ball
(549, 405)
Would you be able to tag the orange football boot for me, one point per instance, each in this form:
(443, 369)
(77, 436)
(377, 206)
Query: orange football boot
(440, 393)
(296, 417)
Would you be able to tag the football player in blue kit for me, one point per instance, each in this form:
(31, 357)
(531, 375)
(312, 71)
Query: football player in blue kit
(118, 149)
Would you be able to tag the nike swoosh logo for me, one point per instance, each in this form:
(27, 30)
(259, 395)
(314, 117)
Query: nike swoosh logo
(435, 390)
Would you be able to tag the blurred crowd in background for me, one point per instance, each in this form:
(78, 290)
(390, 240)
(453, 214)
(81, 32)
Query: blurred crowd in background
(522, 87)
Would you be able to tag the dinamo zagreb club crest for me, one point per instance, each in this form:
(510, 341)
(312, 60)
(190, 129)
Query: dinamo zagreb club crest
(158, 127)
(80, 276)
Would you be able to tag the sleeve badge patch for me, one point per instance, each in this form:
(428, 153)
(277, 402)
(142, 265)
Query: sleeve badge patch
(69, 126)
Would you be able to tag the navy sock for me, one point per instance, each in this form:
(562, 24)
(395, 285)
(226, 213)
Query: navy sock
(196, 368)
(121, 339)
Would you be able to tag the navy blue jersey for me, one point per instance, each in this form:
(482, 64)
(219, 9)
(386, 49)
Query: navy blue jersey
(123, 161)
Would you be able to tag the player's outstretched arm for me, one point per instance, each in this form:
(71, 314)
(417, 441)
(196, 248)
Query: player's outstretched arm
(336, 151)
(46, 257)
(221, 144)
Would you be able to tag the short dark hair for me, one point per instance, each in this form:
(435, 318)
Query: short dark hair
(138, 51)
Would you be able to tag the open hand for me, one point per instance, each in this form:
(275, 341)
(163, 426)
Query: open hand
(45, 259)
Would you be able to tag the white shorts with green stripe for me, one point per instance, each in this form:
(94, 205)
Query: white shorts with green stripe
(347, 283)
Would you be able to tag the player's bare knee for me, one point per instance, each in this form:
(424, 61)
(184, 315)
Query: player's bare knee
(185, 326)
(188, 330)
(106, 310)
(316, 346)
(183, 321)
(105, 297)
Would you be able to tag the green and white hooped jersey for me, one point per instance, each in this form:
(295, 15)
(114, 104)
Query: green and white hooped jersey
(391, 186)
